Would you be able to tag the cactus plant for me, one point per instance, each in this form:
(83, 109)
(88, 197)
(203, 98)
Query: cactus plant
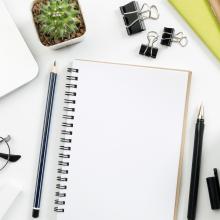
(58, 19)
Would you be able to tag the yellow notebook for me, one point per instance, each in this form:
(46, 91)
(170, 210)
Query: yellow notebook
(200, 17)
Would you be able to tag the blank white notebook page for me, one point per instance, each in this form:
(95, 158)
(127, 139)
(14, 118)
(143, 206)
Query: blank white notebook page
(126, 142)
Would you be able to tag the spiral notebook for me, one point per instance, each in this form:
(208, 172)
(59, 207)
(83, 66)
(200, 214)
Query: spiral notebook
(122, 142)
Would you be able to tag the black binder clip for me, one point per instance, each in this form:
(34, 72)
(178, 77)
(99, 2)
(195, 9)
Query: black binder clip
(169, 36)
(134, 16)
(149, 50)
(214, 190)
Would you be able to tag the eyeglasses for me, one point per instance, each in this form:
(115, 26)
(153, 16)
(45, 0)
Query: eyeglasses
(5, 153)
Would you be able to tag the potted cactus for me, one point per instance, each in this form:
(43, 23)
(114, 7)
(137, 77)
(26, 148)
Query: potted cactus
(59, 23)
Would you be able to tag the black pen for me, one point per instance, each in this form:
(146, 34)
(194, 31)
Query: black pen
(44, 143)
(195, 173)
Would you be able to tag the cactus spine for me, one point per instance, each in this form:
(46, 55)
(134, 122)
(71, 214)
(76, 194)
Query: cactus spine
(58, 19)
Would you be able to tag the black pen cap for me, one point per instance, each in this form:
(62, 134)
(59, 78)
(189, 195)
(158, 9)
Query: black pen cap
(214, 190)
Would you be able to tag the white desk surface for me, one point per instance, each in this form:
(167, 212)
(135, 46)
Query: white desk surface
(21, 113)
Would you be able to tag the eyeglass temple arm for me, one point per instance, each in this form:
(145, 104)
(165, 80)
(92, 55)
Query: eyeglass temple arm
(12, 158)
(7, 139)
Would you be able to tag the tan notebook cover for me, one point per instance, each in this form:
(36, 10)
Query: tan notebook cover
(215, 4)
(127, 142)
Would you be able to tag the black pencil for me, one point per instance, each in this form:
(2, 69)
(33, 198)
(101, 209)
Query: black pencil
(44, 143)
(195, 173)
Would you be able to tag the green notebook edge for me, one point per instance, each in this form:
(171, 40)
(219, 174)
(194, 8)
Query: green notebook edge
(214, 43)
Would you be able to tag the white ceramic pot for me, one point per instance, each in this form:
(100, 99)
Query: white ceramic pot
(68, 42)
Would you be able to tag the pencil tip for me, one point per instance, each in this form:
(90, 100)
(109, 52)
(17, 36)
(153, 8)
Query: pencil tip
(54, 69)
(201, 112)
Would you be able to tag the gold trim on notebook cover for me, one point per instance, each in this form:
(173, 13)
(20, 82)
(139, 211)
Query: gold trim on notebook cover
(178, 188)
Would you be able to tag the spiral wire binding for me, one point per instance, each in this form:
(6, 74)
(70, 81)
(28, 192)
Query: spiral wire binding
(66, 139)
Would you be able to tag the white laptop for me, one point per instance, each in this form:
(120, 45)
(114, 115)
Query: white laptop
(17, 65)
